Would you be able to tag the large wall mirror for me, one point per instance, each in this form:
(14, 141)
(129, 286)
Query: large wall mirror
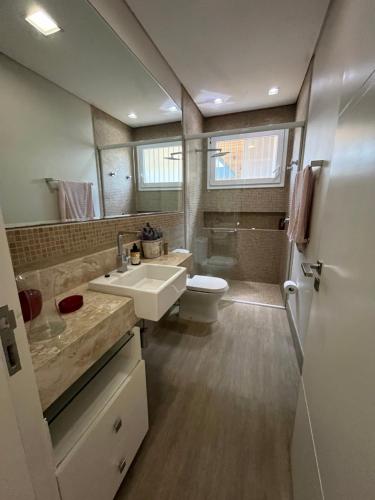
(86, 132)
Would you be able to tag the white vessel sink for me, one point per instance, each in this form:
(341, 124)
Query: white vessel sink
(154, 288)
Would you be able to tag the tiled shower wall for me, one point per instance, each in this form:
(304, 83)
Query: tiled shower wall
(40, 246)
(254, 255)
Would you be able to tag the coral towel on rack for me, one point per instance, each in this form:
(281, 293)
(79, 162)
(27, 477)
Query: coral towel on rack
(75, 201)
(300, 209)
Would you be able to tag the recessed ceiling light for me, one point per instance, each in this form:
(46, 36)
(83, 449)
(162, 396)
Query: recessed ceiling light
(132, 115)
(43, 22)
(172, 109)
(218, 100)
(273, 91)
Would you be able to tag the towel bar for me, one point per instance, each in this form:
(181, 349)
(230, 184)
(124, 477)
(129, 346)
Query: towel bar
(52, 183)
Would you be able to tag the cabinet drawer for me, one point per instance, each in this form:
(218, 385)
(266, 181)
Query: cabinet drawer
(99, 461)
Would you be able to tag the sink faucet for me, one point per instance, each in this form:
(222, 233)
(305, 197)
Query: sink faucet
(122, 258)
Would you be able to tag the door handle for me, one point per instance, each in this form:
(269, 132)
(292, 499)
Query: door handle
(308, 268)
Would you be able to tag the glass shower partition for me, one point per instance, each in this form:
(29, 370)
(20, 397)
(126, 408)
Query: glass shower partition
(234, 232)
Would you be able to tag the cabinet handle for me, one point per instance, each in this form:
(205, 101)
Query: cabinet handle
(122, 465)
(117, 425)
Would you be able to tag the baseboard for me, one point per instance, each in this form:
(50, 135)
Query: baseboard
(296, 342)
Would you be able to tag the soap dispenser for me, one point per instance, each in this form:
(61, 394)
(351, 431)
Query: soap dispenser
(135, 255)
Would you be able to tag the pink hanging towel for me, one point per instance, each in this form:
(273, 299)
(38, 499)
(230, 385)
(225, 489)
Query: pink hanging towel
(75, 201)
(300, 209)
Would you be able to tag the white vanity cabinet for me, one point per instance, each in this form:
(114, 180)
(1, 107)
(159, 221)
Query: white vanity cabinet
(97, 435)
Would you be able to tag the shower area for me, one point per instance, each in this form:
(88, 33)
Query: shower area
(236, 210)
(141, 177)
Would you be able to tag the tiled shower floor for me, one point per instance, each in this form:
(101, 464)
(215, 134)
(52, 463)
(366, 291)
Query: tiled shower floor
(250, 291)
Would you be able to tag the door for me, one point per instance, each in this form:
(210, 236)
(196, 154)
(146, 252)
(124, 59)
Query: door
(15, 482)
(26, 466)
(339, 368)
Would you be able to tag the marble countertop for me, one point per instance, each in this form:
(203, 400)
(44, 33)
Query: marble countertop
(172, 259)
(90, 332)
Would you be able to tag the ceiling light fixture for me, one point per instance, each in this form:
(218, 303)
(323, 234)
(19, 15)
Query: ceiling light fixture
(273, 91)
(218, 100)
(43, 22)
(172, 109)
(132, 115)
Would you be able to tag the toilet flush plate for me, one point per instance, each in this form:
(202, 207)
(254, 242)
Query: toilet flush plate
(154, 288)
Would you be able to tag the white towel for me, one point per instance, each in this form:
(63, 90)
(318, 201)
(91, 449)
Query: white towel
(75, 201)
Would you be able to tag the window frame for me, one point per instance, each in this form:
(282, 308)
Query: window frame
(164, 186)
(264, 182)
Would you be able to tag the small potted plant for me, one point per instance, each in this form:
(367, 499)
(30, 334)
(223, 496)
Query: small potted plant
(151, 242)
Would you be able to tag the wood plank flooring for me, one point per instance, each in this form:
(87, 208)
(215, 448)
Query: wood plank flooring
(222, 400)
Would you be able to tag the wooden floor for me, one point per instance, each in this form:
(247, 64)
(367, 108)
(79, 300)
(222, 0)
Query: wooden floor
(222, 400)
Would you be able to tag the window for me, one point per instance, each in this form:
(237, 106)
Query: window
(247, 160)
(160, 166)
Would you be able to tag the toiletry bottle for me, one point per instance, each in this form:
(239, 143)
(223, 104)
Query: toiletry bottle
(135, 255)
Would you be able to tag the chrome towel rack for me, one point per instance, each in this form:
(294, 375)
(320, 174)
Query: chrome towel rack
(313, 164)
(317, 164)
(53, 183)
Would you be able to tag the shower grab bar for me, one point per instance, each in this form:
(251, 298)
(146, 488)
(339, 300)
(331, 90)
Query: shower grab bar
(237, 230)
(222, 229)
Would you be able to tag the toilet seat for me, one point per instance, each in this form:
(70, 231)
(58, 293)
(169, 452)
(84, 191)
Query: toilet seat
(207, 284)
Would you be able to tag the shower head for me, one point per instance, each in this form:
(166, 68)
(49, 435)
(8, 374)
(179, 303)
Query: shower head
(217, 152)
(172, 156)
(220, 153)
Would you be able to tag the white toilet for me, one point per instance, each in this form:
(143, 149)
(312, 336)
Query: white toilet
(200, 301)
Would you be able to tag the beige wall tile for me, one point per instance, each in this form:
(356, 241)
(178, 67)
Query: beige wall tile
(35, 247)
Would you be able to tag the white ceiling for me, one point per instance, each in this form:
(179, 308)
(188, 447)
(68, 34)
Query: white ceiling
(86, 58)
(235, 50)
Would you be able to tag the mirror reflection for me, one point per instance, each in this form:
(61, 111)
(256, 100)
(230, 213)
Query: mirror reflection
(143, 177)
(81, 140)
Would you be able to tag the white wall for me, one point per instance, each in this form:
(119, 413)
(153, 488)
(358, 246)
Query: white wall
(44, 132)
(342, 57)
(125, 24)
(319, 141)
(343, 61)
